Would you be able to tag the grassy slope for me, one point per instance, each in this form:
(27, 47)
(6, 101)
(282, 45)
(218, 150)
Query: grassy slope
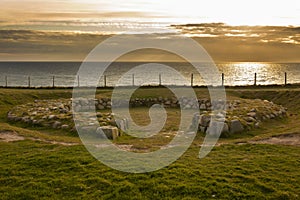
(34, 170)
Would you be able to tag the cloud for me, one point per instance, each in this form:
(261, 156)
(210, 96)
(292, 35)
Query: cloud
(41, 45)
(253, 33)
(223, 43)
(246, 43)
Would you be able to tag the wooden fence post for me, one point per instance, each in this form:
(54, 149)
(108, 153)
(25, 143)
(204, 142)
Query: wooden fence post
(159, 79)
(53, 81)
(133, 80)
(285, 78)
(105, 81)
(192, 80)
(29, 83)
(6, 82)
(222, 79)
(255, 76)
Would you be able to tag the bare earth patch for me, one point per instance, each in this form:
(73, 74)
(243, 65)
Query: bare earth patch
(287, 139)
(10, 136)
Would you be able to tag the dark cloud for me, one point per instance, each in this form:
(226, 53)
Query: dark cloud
(46, 45)
(223, 43)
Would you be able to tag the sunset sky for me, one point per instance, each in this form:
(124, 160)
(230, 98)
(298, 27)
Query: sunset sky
(229, 30)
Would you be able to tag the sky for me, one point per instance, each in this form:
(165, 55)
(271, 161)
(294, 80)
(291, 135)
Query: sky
(229, 30)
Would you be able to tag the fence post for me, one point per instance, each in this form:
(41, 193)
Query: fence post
(255, 76)
(159, 79)
(133, 80)
(104, 80)
(192, 80)
(6, 82)
(223, 79)
(78, 81)
(285, 78)
(53, 81)
(29, 81)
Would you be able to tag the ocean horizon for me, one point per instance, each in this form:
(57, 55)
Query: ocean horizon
(64, 74)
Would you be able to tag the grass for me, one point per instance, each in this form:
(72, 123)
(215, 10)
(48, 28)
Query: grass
(40, 170)
(34, 170)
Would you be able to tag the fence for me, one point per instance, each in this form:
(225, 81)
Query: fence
(110, 81)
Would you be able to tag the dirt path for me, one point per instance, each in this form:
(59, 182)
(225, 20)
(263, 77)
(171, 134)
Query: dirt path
(292, 139)
(10, 136)
(286, 139)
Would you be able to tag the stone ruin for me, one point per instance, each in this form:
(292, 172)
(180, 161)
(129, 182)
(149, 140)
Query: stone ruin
(237, 115)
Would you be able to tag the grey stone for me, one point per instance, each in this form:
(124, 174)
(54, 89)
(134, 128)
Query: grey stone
(236, 126)
(56, 125)
(219, 115)
(202, 106)
(216, 128)
(122, 124)
(252, 114)
(100, 107)
(202, 129)
(225, 128)
(110, 132)
(204, 120)
(50, 117)
(272, 116)
(250, 119)
(65, 126)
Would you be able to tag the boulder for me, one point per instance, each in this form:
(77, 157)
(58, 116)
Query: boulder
(217, 128)
(110, 132)
(236, 126)
(204, 120)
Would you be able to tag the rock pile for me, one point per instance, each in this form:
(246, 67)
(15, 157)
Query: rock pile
(57, 114)
(238, 115)
(82, 104)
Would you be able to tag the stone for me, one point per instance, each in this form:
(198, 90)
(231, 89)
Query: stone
(100, 107)
(236, 126)
(272, 116)
(65, 126)
(50, 117)
(195, 121)
(219, 115)
(250, 119)
(109, 131)
(202, 129)
(252, 114)
(202, 106)
(225, 128)
(122, 124)
(56, 125)
(204, 120)
(217, 128)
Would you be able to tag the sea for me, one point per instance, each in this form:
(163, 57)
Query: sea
(65, 74)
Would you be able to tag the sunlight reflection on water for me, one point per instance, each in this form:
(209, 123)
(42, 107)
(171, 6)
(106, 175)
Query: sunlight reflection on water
(234, 73)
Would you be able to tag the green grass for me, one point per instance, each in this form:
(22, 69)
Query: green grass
(40, 170)
(34, 170)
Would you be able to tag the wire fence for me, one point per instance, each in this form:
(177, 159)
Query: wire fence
(132, 80)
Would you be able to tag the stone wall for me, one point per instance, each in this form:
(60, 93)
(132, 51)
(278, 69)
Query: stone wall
(239, 115)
